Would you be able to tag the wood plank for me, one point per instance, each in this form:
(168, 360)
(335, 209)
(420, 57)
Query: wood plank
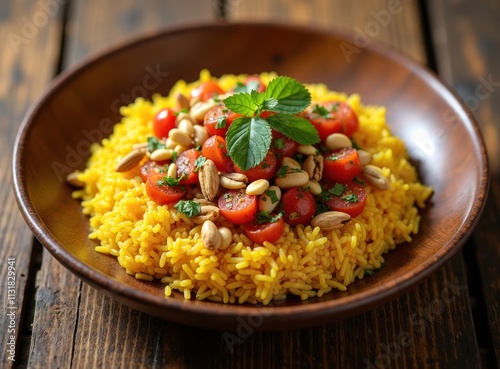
(386, 22)
(467, 53)
(57, 326)
(30, 35)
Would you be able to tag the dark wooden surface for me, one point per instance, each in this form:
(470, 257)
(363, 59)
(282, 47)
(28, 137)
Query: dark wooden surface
(62, 322)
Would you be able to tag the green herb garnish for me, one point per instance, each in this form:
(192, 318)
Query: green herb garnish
(282, 171)
(321, 111)
(337, 190)
(266, 217)
(170, 181)
(279, 143)
(221, 122)
(272, 195)
(174, 156)
(249, 138)
(188, 207)
(154, 144)
(350, 197)
(199, 162)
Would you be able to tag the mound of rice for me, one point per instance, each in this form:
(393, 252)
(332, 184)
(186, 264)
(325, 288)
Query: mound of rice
(152, 241)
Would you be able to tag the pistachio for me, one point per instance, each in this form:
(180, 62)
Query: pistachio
(130, 160)
(182, 101)
(209, 179)
(232, 182)
(161, 154)
(364, 157)
(337, 141)
(330, 220)
(257, 187)
(266, 201)
(207, 212)
(373, 175)
(294, 178)
(73, 180)
(313, 166)
(210, 235)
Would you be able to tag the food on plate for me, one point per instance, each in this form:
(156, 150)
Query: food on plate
(250, 189)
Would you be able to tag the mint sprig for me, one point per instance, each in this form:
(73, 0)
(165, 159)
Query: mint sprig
(248, 139)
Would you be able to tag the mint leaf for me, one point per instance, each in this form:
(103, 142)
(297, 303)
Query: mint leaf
(257, 98)
(241, 103)
(189, 208)
(296, 128)
(248, 141)
(292, 96)
(269, 103)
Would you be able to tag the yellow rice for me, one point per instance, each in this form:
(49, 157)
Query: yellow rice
(155, 242)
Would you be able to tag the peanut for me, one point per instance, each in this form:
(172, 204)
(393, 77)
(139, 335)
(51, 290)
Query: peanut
(257, 187)
(265, 201)
(210, 235)
(337, 141)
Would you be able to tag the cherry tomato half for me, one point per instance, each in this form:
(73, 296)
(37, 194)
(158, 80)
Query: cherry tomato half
(186, 166)
(163, 122)
(238, 207)
(215, 116)
(269, 232)
(283, 146)
(299, 206)
(215, 149)
(151, 166)
(265, 170)
(163, 194)
(332, 117)
(341, 165)
(352, 200)
(206, 90)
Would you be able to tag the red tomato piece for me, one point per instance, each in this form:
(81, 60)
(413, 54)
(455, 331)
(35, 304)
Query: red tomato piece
(151, 166)
(332, 117)
(238, 207)
(215, 149)
(217, 114)
(352, 200)
(265, 170)
(186, 166)
(162, 194)
(206, 90)
(163, 122)
(269, 232)
(283, 146)
(299, 206)
(341, 165)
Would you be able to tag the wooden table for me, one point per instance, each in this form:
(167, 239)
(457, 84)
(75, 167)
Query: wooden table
(60, 322)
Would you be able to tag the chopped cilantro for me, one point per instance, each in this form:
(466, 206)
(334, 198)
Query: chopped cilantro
(174, 156)
(355, 145)
(266, 217)
(169, 181)
(279, 143)
(221, 122)
(188, 207)
(358, 181)
(350, 197)
(154, 144)
(199, 162)
(337, 190)
(272, 195)
(321, 111)
(282, 171)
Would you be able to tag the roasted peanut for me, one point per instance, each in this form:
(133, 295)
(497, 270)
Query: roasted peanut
(210, 235)
(269, 199)
(207, 212)
(257, 187)
(337, 141)
(313, 186)
(313, 166)
(330, 220)
(227, 180)
(294, 178)
(209, 179)
(226, 237)
(290, 163)
(373, 175)
(307, 150)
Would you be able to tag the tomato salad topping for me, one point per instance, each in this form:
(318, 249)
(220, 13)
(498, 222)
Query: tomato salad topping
(259, 156)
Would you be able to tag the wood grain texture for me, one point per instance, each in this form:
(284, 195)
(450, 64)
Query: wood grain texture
(466, 41)
(430, 327)
(393, 23)
(29, 53)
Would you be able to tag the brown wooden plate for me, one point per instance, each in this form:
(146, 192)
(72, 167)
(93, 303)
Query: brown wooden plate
(81, 105)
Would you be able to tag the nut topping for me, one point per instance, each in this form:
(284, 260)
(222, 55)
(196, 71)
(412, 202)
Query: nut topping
(330, 220)
(209, 179)
(210, 235)
(313, 166)
(130, 160)
(207, 213)
(373, 175)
